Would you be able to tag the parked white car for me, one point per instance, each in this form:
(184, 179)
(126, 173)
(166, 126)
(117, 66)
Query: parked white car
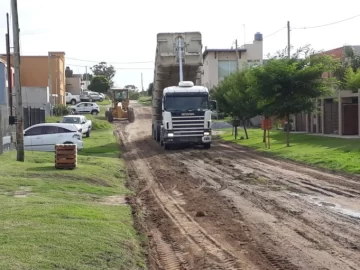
(80, 121)
(90, 96)
(44, 137)
(72, 99)
(86, 107)
(96, 96)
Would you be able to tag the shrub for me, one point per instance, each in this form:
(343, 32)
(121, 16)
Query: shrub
(60, 110)
(98, 124)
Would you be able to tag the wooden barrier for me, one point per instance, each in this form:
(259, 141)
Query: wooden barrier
(65, 156)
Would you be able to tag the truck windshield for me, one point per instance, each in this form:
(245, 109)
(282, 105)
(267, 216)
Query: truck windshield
(71, 120)
(186, 103)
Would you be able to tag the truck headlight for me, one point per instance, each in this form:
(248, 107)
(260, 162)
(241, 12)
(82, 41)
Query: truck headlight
(206, 133)
(170, 134)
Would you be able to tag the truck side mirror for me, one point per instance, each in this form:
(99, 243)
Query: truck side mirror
(213, 105)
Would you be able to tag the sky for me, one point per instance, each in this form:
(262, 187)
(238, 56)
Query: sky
(123, 33)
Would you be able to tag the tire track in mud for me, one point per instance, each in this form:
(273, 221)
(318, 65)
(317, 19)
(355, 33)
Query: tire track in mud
(298, 243)
(229, 174)
(265, 246)
(267, 251)
(339, 181)
(215, 256)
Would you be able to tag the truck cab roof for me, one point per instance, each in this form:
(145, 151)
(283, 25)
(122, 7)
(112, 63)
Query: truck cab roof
(185, 87)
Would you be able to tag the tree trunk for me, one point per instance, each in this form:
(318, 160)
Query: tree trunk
(232, 128)
(288, 130)
(245, 129)
(264, 136)
(236, 132)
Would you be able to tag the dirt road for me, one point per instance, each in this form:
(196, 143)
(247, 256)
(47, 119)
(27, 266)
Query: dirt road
(230, 208)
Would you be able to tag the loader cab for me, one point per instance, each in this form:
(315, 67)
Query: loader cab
(120, 95)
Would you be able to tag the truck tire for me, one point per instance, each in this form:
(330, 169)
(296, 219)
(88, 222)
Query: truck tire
(207, 145)
(153, 133)
(73, 102)
(167, 146)
(131, 115)
(157, 133)
(110, 118)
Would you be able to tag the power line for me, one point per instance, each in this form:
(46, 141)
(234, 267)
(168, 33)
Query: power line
(115, 63)
(277, 31)
(327, 24)
(124, 68)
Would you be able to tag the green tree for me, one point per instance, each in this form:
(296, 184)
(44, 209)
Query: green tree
(150, 89)
(131, 86)
(286, 86)
(103, 69)
(87, 76)
(234, 96)
(352, 79)
(351, 60)
(134, 95)
(99, 84)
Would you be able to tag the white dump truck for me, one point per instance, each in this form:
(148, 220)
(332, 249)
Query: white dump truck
(181, 109)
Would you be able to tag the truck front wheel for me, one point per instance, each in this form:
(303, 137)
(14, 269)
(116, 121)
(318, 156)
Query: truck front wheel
(167, 146)
(73, 102)
(207, 145)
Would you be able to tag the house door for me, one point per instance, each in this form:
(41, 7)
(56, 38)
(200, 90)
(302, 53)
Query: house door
(350, 119)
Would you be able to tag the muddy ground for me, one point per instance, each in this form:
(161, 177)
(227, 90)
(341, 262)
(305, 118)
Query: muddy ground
(231, 208)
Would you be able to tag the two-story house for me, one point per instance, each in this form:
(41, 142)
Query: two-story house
(44, 71)
(219, 63)
(336, 115)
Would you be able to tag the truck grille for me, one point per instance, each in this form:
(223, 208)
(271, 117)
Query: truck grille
(188, 126)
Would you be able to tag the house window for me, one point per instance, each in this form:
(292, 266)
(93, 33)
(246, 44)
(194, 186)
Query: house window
(225, 68)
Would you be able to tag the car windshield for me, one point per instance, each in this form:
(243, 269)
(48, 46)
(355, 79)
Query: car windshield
(186, 103)
(71, 120)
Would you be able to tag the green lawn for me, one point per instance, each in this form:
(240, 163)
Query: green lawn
(331, 153)
(104, 102)
(63, 219)
(145, 100)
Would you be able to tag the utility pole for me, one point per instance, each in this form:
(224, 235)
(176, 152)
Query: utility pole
(288, 46)
(19, 108)
(8, 60)
(237, 54)
(50, 76)
(56, 79)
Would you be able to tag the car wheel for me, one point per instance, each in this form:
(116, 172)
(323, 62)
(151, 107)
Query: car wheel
(94, 112)
(73, 102)
(88, 133)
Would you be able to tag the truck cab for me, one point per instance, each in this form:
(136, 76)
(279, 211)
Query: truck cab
(186, 115)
